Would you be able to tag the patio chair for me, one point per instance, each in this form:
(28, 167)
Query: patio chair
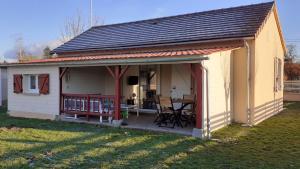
(177, 119)
(188, 113)
(158, 108)
(164, 110)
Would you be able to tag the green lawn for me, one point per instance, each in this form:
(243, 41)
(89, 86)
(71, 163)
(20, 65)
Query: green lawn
(26, 143)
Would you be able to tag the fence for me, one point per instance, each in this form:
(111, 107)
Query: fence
(291, 90)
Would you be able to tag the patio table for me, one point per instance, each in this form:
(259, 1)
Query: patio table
(185, 102)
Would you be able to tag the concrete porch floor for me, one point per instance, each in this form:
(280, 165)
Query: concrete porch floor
(145, 121)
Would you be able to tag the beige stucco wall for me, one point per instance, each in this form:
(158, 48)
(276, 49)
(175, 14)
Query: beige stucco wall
(96, 80)
(266, 102)
(220, 77)
(85, 80)
(240, 85)
(109, 84)
(34, 106)
(180, 81)
(166, 80)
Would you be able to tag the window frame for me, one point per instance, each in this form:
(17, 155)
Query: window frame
(28, 88)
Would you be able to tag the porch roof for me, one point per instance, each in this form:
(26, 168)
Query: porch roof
(182, 55)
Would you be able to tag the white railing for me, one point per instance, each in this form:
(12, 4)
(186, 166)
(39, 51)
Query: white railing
(88, 105)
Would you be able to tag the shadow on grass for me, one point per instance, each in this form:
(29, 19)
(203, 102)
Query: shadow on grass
(94, 147)
(115, 151)
(272, 144)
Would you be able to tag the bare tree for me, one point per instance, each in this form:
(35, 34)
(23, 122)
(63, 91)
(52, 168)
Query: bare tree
(19, 48)
(75, 25)
(291, 52)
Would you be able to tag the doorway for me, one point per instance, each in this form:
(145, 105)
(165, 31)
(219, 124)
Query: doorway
(149, 85)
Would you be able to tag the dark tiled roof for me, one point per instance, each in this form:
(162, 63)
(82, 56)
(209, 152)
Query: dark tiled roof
(236, 22)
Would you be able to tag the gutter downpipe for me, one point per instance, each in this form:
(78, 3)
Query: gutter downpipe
(207, 103)
(249, 123)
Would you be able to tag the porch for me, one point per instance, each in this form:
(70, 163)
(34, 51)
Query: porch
(101, 95)
(145, 121)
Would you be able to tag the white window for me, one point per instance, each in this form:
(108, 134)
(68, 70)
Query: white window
(278, 75)
(31, 84)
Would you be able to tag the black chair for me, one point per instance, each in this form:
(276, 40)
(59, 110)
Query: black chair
(165, 113)
(177, 115)
(158, 108)
(188, 113)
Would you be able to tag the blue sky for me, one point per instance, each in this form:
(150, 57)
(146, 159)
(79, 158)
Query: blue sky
(41, 21)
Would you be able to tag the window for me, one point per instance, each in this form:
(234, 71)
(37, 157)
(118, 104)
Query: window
(278, 74)
(31, 84)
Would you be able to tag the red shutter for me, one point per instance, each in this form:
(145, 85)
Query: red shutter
(44, 83)
(18, 86)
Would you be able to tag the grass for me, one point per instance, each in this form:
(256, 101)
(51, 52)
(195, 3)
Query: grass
(29, 143)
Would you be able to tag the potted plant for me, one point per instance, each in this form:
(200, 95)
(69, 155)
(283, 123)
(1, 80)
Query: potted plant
(124, 114)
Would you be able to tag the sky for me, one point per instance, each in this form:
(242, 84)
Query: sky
(40, 22)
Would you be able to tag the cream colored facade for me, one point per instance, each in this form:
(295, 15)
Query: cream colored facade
(268, 47)
(220, 90)
(264, 49)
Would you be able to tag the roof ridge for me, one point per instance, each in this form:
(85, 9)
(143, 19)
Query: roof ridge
(181, 15)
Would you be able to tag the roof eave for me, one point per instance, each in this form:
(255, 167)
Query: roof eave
(108, 62)
(274, 9)
(279, 28)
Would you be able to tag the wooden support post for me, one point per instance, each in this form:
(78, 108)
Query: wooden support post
(110, 71)
(88, 107)
(199, 102)
(60, 93)
(190, 68)
(62, 72)
(117, 93)
(123, 71)
(117, 75)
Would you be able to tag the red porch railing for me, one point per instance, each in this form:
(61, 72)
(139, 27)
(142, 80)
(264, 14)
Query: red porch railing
(88, 105)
